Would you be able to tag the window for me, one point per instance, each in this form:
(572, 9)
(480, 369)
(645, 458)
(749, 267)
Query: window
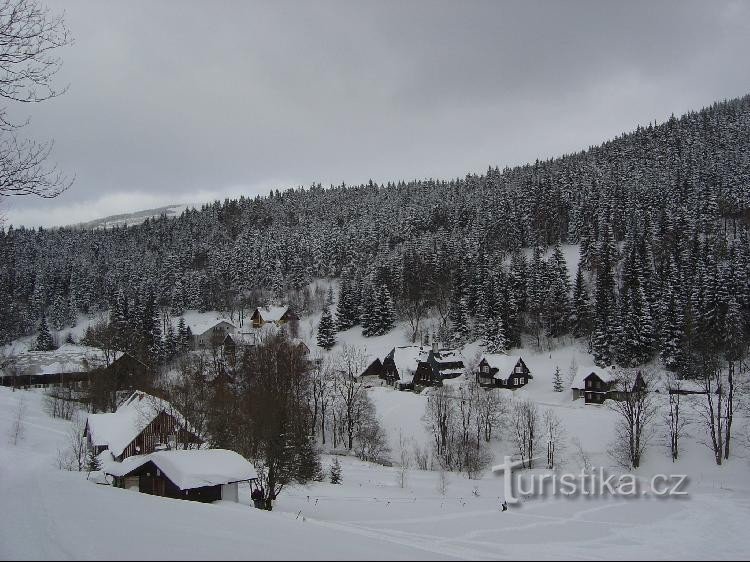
(519, 370)
(485, 369)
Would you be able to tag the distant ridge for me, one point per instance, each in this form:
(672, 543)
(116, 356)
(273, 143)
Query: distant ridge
(131, 219)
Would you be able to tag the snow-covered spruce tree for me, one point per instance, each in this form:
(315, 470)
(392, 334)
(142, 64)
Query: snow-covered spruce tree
(605, 308)
(326, 330)
(44, 341)
(558, 310)
(495, 340)
(369, 315)
(183, 339)
(346, 310)
(93, 464)
(581, 321)
(557, 381)
(386, 311)
(335, 471)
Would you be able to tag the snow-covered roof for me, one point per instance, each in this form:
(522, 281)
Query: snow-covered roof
(67, 358)
(272, 313)
(201, 325)
(193, 468)
(503, 363)
(448, 356)
(118, 429)
(407, 359)
(607, 375)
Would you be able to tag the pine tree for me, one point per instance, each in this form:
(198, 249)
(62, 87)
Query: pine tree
(326, 330)
(44, 341)
(335, 471)
(369, 313)
(93, 464)
(183, 339)
(557, 383)
(605, 307)
(386, 311)
(346, 309)
(581, 321)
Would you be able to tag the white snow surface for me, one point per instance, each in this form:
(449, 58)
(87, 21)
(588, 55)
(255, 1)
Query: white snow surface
(193, 468)
(51, 515)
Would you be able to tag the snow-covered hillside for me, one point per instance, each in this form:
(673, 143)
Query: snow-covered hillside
(50, 514)
(132, 219)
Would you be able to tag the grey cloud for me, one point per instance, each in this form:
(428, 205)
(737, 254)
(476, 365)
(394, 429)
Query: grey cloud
(171, 100)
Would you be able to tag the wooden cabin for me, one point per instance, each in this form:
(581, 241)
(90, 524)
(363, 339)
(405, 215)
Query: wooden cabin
(278, 315)
(497, 370)
(140, 425)
(596, 385)
(439, 365)
(401, 364)
(198, 475)
(593, 384)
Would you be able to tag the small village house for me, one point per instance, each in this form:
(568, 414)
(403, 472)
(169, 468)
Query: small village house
(140, 425)
(596, 385)
(279, 315)
(498, 370)
(439, 365)
(400, 365)
(197, 475)
(207, 334)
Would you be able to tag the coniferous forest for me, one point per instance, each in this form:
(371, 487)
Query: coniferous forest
(661, 215)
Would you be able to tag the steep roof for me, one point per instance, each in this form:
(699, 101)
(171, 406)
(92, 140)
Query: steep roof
(117, 430)
(448, 356)
(192, 469)
(503, 363)
(407, 359)
(272, 313)
(201, 324)
(607, 375)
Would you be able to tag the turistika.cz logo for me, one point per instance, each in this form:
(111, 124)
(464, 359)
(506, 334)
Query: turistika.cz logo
(587, 483)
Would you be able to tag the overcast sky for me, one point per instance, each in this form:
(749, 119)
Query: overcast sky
(186, 102)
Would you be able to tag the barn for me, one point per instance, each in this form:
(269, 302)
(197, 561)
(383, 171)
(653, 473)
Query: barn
(199, 475)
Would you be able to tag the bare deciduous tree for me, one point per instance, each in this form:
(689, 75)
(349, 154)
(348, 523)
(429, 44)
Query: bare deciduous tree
(404, 459)
(636, 413)
(73, 456)
(676, 419)
(526, 431)
(350, 390)
(29, 38)
(554, 433)
(18, 428)
(583, 456)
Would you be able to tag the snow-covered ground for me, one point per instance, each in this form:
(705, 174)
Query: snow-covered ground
(48, 514)
(51, 514)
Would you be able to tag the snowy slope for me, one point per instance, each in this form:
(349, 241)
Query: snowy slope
(52, 515)
(132, 219)
(49, 514)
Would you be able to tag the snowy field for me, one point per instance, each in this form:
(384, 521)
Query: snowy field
(50, 514)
